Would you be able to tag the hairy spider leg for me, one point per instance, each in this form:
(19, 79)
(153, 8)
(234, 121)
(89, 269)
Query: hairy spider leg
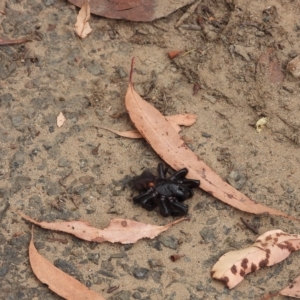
(163, 208)
(178, 209)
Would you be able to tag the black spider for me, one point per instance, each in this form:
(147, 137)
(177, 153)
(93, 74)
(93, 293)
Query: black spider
(166, 193)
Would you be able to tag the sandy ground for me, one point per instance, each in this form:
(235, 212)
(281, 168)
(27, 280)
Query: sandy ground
(87, 81)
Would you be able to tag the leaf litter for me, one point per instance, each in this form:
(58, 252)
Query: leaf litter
(269, 249)
(57, 281)
(82, 26)
(167, 143)
(122, 231)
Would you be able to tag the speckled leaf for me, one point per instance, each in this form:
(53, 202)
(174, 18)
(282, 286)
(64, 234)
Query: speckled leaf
(293, 289)
(133, 10)
(118, 231)
(270, 248)
(57, 281)
(175, 121)
(167, 143)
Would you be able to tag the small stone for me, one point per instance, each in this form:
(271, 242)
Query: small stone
(290, 189)
(236, 179)
(169, 241)
(94, 68)
(294, 66)
(63, 162)
(88, 283)
(94, 257)
(67, 267)
(140, 273)
(208, 234)
(107, 266)
(155, 263)
(137, 295)
(17, 121)
(121, 72)
(123, 295)
(86, 179)
(212, 221)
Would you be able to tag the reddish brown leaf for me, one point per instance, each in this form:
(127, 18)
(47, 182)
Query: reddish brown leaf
(176, 120)
(82, 26)
(118, 231)
(173, 54)
(12, 42)
(57, 281)
(133, 10)
(269, 249)
(167, 143)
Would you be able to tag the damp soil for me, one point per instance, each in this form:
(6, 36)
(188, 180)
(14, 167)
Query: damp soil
(79, 171)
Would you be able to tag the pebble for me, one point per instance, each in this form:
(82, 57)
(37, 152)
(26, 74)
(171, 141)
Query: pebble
(140, 273)
(94, 257)
(17, 121)
(169, 241)
(63, 162)
(208, 234)
(236, 179)
(122, 295)
(94, 68)
(68, 268)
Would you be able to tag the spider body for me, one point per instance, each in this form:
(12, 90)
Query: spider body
(166, 193)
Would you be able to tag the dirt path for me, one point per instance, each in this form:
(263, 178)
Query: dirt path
(231, 58)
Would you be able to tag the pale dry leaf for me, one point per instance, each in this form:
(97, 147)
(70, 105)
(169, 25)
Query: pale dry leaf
(293, 289)
(270, 248)
(175, 121)
(260, 124)
(118, 231)
(57, 281)
(82, 26)
(167, 143)
(60, 120)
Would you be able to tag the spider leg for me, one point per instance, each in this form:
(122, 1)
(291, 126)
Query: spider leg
(146, 199)
(149, 202)
(191, 183)
(163, 207)
(179, 174)
(161, 171)
(178, 209)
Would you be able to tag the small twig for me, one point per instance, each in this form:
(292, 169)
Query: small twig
(249, 226)
(54, 239)
(65, 177)
(191, 27)
(187, 14)
(112, 289)
(187, 52)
